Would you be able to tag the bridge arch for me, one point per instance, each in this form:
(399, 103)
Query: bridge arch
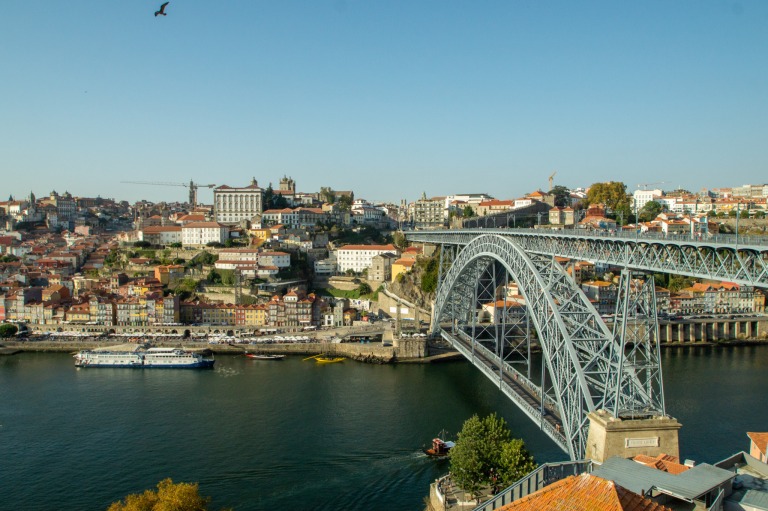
(578, 349)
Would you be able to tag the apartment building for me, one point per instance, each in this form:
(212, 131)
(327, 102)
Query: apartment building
(199, 234)
(359, 257)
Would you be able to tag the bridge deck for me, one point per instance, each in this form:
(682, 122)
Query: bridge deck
(522, 391)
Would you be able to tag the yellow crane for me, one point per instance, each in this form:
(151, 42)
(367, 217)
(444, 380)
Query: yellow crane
(191, 185)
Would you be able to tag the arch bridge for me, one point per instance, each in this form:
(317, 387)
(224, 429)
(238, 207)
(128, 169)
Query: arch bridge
(499, 290)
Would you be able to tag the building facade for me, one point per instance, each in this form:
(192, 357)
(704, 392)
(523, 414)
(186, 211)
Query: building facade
(233, 205)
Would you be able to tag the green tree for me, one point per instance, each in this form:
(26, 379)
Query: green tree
(467, 211)
(364, 289)
(515, 462)
(345, 202)
(399, 240)
(759, 214)
(613, 194)
(169, 496)
(8, 330)
(486, 455)
(429, 274)
(676, 283)
(649, 211)
(562, 196)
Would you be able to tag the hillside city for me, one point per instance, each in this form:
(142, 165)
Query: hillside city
(283, 260)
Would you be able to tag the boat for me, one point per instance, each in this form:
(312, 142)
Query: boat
(264, 356)
(139, 357)
(440, 448)
(328, 359)
(325, 358)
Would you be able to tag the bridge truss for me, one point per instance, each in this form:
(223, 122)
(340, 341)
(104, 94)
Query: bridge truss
(582, 366)
(585, 366)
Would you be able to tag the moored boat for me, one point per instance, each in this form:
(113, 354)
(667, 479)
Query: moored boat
(136, 356)
(264, 356)
(327, 359)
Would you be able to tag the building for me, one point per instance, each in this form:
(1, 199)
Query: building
(402, 265)
(359, 257)
(233, 205)
(199, 234)
(757, 446)
(381, 267)
(161, 234)
(584, 492)
(602, 295)
(428, 213)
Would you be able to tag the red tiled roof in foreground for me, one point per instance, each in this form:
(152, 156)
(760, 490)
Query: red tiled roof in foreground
(663, 462)
(584, 492)
(760, 440)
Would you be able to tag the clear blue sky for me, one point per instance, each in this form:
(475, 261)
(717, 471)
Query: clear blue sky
(386, 97)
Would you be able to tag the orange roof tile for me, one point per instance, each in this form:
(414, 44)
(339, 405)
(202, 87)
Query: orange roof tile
(760, 440)
(584, 492)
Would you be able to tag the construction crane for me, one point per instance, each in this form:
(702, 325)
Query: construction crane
(551, 180)
(191, 185)
(646, 185)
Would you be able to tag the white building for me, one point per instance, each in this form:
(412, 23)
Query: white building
(199, 234)
(161, 234)
(232, 205)
(643, 197)
(277, 259)
(358, 257)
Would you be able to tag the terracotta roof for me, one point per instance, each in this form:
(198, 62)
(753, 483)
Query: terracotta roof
(584, 492)
(368, 247)
(663, 462)
(405, 262)
(760, 440)
(155, 229)
(199, 225)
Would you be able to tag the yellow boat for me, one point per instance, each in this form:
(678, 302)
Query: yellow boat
(325, 359)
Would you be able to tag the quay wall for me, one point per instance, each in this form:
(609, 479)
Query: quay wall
(406, 350)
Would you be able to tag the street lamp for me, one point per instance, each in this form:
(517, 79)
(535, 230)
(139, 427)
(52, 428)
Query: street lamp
(738, 214)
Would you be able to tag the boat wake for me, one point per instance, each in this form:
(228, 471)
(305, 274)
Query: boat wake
(227, 372)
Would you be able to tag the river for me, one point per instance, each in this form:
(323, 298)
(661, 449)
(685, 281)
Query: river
(298, 435)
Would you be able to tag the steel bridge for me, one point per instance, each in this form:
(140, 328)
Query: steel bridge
(499, 290)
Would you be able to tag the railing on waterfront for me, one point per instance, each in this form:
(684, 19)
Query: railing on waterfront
(545, 475)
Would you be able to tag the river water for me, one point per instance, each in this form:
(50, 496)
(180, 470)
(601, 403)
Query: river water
(298, 435)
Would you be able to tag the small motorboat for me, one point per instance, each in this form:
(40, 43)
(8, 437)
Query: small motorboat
(440, 448)
(263, 356)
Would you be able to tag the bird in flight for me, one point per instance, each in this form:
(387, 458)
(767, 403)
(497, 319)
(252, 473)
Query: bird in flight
(162, 9)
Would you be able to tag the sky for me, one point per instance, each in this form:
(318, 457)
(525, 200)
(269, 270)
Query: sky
(388, 98)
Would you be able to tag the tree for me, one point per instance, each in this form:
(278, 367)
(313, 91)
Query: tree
(327, 195)
(562, 196)
(169, 496)
(8, 330)
(649, 211)
(399, 240)
(364, 289)
(429, 274)
(486, 455)
(613, 194)
(345, 202)
(467, 211)
(142, 244)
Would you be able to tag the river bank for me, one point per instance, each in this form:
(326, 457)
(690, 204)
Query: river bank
(405, 350)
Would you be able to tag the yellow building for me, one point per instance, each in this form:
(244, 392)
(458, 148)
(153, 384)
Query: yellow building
(402, 266)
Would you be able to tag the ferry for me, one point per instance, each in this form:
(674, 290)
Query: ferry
(138, 357)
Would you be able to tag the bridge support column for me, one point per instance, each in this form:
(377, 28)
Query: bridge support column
(626, 438)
